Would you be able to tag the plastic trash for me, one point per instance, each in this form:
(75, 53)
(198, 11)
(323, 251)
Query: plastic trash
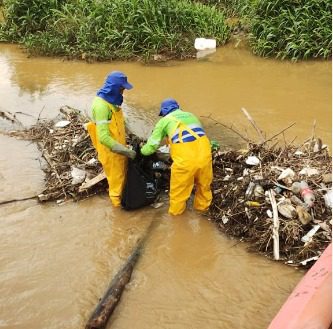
(307, 194)
(157, 205)
(225, 219)
(78, 175)
(308, 237)
(252, 203)
(92, 161)
(249, 190)
(278, 189)
(203, 43)
(286, 209)
(327, 178)
(252, 160)
(62, 124)
(305, 261)
(303, 215)
(258, 191)
(296, 187)
(297, 201)
(287, 173)
(328, 197)
(309, 171)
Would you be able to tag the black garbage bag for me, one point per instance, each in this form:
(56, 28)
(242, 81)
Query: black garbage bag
(140, 187)
(142, 183)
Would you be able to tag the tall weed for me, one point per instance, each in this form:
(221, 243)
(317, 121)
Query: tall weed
(113, 29)
(294, 29)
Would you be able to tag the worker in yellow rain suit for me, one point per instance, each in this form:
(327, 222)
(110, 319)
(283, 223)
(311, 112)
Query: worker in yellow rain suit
(107, 132)
(190, 151)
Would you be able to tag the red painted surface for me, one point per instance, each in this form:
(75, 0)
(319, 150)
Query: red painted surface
(309, 306)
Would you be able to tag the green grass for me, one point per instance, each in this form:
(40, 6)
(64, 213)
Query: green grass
(115, 29)
(293, 29)
(141, 29)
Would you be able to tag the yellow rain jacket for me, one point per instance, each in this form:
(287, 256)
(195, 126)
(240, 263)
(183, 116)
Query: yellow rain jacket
(107, 127)
(192, 159)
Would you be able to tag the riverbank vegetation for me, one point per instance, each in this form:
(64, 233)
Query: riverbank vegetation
(112, 29)
(292, 29)
(154, 29)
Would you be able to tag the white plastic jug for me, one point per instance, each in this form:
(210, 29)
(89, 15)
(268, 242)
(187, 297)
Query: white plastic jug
(202, 43)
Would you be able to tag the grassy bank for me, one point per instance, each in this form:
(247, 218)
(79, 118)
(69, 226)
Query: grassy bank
(164, 29)
(294, 29)
(112, 29)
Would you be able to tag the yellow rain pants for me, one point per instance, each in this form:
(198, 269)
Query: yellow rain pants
(114, 164)
(192, 164)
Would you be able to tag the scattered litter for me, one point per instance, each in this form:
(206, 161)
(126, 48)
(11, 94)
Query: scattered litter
(157, 205)
(303, 215)
(328, 197)
(309, 171)
(92, 161)
(203, 43)
(252, 203)
(308, 237)
(327, 178)
(62, 124)
(287, 173)
(78, 175)
(304, 262)
(225, 219)
(253, 224)
(252, 161)
(286, 209)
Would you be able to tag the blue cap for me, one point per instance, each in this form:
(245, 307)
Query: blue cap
(120, 79)
(168, 106)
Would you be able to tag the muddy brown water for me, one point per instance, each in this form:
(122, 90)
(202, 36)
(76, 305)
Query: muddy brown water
(56, 261)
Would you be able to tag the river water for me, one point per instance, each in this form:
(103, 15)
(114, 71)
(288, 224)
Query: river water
(56, 261)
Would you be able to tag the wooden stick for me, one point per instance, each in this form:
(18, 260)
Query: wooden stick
(106, 306)
(225, 126)
(92, 182)
(280, 132)
(260, 134)
(17, 200)
(276, 247)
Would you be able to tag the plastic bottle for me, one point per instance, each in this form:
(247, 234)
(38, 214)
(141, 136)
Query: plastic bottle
(249, 190)
(307, 194)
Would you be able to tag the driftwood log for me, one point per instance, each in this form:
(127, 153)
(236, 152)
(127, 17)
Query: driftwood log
(109, 301)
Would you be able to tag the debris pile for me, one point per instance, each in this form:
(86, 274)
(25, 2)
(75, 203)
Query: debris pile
(71, 160)
(279, 200)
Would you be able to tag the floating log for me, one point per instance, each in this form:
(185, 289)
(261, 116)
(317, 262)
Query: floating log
(108, 303)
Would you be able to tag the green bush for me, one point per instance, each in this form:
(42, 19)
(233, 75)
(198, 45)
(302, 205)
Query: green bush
(114, 29)
(295, 29)
(22, 18)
